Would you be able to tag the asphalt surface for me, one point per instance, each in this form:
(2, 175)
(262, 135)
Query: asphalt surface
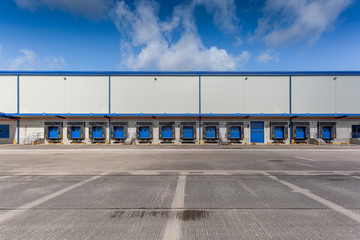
(179, 192)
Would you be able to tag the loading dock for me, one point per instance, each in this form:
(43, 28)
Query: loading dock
(327, 131)
(301, 131)
(53, 131)
(4, 131)
(235, 131)
(211, 131)
(257, 132)
(119, 131)
(167, 131)
(75, 131)
(279, 131)
(97, 131)
(187, 132)
(355, 131)
(144, 131)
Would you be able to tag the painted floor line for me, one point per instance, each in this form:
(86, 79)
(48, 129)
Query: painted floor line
(304, 164)
(173, 226)
(13, 213)
(346, 212)
(17, 174)
(304, 158)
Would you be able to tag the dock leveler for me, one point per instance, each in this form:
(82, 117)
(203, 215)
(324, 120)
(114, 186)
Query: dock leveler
(327, 131)
(279, 131)
(144, 131)
(188, 132)
(211, 132)
(166, 131)
(97, 132)
(75, 131)
(53, 131)
(119, 131)
(235, 131)
(301, 131)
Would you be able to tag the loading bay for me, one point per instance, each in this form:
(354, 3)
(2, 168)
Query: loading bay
(179, 192)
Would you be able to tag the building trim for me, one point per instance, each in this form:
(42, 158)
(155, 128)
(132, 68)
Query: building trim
(184, 73)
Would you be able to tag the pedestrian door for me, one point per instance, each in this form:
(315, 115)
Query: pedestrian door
(356, 131)
(54, 132)
(76, 133)
(235, 132)
(257, 132)
(119, 132)
(144, 132)
(279, 132)
(166, 132)
(210, 132)
(188, 132)
(97, 132)
(300, 132)
(326, 133)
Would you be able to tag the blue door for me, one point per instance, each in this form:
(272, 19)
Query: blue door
(326, 132)
(235, 132)
(210, 132)
(257, 132)
(97, 132)
(54, 132)
(188, 132)
(300, 132)
(279, 132)
(4, 131)
(119, 132)
(144, 132)
(356, 131)
(167, 132)
(76, 133)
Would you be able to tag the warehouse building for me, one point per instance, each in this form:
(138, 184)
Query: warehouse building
(179, 107)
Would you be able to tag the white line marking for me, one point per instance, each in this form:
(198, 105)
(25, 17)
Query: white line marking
(303, 164)
(173, 226)
(303, 158)
(306, 192)
(17, 174)
(13, 213)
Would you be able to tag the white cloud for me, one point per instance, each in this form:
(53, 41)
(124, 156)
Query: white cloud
(54, 63)
(29, 60)
(158, 48)
(286, 22)
(223, 11)
(93, 9)
(268, 55)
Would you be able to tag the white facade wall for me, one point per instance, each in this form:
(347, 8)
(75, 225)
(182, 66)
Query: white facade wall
(64, 94)
(313, 94)
(154, 94)
(8, 94)
(347, 94)
(245, 94)
(222, 94)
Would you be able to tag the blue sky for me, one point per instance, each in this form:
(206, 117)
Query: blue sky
(243, 35)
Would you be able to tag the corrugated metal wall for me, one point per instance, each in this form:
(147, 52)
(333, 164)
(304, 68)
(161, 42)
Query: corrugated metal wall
(348, 94)
(245, 94)
(155, 94)
(180, 94)
(64, 94)
(8, 94)
(313, 94)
